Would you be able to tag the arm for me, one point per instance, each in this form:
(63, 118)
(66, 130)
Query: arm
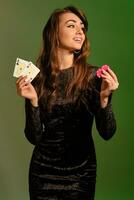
(105, 121)
(33, 127)
(104, 116)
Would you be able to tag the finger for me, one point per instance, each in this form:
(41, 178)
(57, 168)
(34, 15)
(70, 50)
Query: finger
(105, 74)
(108, 79)
(23, 90)
(112, 74)
(22, 85)
(111, 84)
(111, 79)
(20, 79)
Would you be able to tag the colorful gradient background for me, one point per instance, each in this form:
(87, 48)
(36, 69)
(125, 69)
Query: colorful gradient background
(111, 32)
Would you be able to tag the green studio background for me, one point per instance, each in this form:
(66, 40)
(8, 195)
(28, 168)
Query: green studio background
(110, 32)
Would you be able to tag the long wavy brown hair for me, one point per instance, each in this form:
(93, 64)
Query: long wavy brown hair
(46, 83)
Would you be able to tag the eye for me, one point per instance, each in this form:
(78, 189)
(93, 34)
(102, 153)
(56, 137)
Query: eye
(83, 29)
(71, 26)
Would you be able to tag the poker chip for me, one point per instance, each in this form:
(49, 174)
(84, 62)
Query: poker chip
(100, 70)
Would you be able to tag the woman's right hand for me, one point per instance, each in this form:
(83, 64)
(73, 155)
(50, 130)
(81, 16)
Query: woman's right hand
(25, 89)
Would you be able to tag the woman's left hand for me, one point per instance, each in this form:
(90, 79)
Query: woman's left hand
(109, 84)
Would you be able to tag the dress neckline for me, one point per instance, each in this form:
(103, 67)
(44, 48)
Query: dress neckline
(66, 69)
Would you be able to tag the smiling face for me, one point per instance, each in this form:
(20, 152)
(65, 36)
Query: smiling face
(71, 32)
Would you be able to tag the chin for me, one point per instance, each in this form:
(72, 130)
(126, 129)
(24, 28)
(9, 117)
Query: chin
(77, 48)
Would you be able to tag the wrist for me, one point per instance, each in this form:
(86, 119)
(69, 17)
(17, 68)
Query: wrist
(34, 102)
(103, 100)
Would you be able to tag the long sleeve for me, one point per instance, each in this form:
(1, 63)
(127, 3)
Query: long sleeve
(33, 126)
(105, 122)
(104, 117)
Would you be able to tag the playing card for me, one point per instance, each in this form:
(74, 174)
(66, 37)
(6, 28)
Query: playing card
(20, 65)
(25, 68)
(30, 71)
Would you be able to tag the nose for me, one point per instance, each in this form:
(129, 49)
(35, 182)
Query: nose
(79, 30)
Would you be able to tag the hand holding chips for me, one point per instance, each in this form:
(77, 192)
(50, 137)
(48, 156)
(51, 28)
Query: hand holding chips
(100, 70)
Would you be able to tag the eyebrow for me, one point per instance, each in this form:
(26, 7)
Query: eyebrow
(72, 20)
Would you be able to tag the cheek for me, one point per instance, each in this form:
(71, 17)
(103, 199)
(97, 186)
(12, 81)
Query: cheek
(84, 37)
(64, 36)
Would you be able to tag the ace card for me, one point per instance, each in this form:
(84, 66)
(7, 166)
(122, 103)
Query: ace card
(30, 71)
(20, 65)
(25, 68)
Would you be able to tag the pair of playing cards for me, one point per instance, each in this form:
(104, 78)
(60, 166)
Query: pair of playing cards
(25, 68)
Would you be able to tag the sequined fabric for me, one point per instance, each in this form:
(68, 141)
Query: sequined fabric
(63, 164)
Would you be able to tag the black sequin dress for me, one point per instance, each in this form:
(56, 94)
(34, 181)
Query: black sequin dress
(63, 164)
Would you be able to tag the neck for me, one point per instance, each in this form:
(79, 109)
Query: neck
(65, 58)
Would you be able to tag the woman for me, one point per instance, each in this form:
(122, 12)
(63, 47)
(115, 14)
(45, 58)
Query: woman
(61, 104)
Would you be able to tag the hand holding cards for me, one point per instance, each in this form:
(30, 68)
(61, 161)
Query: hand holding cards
(25, 68)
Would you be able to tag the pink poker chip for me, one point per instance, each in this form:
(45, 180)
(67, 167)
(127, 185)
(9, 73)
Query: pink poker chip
(99, 71)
